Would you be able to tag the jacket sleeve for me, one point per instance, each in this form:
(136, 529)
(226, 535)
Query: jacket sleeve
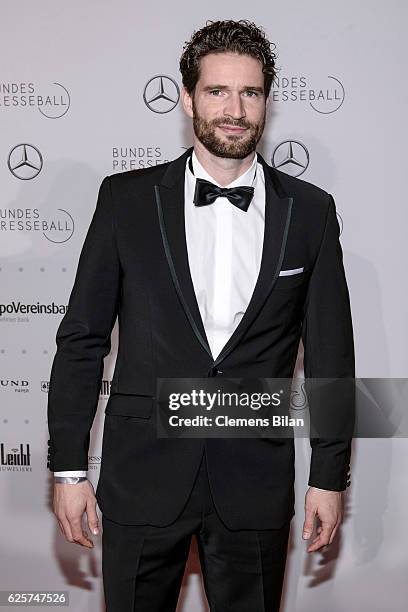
(327, 336)
(83, 340)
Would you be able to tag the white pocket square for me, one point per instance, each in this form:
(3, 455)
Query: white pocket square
(291, 271)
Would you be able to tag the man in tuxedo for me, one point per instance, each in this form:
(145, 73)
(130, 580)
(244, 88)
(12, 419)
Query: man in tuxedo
(216, 264)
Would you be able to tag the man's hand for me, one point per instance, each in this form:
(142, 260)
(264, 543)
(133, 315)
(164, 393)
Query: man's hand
(328, 506)
(70, 503)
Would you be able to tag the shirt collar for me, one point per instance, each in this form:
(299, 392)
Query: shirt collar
(244, 179)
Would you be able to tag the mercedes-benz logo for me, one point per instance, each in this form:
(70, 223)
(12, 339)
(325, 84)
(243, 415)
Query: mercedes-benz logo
(291, 156)
(25, 161)
(161, 94)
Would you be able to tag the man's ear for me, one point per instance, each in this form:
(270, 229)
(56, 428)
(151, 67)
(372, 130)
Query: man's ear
(187, 102)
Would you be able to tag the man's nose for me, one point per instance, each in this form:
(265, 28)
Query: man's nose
(234, 107)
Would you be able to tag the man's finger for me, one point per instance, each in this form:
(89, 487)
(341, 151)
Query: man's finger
(308, 523)
(79, 537)
(323, 538)
(92, 516)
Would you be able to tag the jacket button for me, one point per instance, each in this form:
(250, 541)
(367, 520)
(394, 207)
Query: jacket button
(214, 372)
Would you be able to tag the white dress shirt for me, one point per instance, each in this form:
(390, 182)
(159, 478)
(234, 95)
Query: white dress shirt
(224, 245)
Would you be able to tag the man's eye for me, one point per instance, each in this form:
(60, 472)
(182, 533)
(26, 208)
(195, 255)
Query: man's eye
(215, 91)
(252, 94)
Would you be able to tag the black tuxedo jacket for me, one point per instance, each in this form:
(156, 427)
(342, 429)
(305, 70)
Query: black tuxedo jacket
(134, 265)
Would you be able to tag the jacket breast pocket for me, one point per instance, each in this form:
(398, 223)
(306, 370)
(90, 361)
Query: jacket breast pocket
(291, 277)
(130, 405)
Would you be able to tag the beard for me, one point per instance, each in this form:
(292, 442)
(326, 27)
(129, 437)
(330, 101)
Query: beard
(234, 147)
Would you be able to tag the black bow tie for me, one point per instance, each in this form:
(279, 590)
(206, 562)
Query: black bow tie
(206, 193)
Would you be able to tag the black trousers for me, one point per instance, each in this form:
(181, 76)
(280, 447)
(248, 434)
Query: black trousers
(143, 565)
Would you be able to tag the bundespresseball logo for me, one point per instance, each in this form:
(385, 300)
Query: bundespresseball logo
(137, 157)
(161, 94)
(52, 100)
(325, 95)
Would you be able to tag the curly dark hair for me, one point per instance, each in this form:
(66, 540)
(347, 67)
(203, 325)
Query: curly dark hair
(241, 36)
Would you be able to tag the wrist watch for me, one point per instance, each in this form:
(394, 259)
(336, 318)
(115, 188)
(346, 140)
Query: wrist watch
(69, 479)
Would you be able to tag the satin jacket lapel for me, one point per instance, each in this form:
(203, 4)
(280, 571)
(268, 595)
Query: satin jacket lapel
(170, 205)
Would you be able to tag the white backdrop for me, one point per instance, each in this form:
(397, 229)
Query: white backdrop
(71, 89)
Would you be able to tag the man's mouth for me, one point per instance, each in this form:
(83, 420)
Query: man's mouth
(232, 129)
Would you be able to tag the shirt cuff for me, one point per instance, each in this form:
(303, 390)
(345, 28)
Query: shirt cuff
(71, 473)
